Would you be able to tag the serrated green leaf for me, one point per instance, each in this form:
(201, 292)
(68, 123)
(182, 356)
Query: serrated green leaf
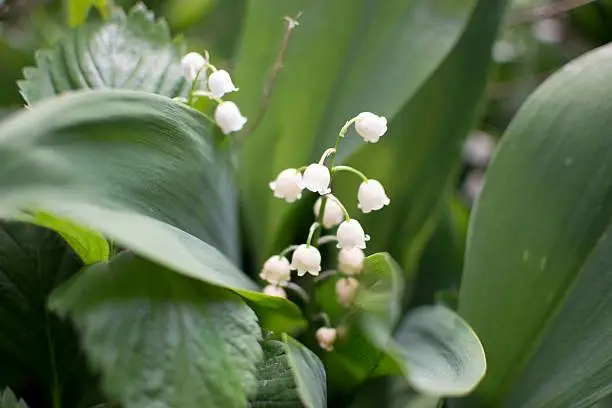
(161, 338)
(537, 279)
(140, 169)
(9, 400)
(308, 373)
(130, 51)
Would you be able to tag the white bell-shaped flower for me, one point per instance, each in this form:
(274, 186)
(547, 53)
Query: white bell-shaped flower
(346, 290)
(372, 196)
(350, 261)
(229, 118)
(351, 235)
(273, 290)
(220, 83)
(276, 270)
(306, 259)
(326, 337)
(333, 212)
(288, 185)
(193, 63)
(316, 178)
(370, 127)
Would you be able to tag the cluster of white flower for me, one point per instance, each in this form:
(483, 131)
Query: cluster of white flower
(330, 213)
(215, 86)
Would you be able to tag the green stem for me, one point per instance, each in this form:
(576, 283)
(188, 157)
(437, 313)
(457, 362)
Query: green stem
(287, 250)
(315, 238)
(326, 153)
(350, 170)
(313, 228)
(297, 289)
(346, 127)
(347, 216)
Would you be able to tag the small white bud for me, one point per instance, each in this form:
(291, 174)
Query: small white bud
(333, 212)
(229, 118)
(326, 337)
(193, 63)
(288, 185)
(372, 196)
(276, 270)
(370, 127)
(351, 235)
(316, 178)
(306, 259)
(220, 83)
(350, 261)
(273, 290)
(346, 290)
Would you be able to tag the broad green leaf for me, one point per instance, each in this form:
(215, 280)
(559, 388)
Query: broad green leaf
(162, 339)
(308, 373)
(401, 395)
(9, 400)
(77, 10)
(37, 351)
(538, 269)
(346, 56)
(141, 170)
(130, 51)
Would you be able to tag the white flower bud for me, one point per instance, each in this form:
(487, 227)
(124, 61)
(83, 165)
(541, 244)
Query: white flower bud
(306, 258)
(317, 178)
(370, 126)
(372, 196)
(288, 185)
(193, 63)
(350, 261)
(273, 290)
(276, 270)
(229, 118)
(220, 83)
(326, 337)
(351, 235)
(333, 212)
(346, 290)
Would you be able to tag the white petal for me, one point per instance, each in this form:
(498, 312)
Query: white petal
(333, 212)
(370, 126)
(316, 178)
(220, 83)
(229, 118)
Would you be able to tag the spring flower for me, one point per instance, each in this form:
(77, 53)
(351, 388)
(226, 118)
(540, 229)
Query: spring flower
(333, 213)
(370, 126)
(220, 83)
(326, 337)
(306, 258)
(288, 185)
(273, 290)
(372, 196)
(346, 290)
(229, 118)
(317, 178)
(276, 270)
(350, 261)
(351, 235)
(193, 63)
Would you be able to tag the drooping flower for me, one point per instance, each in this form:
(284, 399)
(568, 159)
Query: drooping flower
(346, 290)
(370, 127)
(220, 83)
(273, 290)
(276, 270)
(229, 118)
(372, 196)
(191, 64)
(316, 178)
(326, 337)
(288, 185)
(350, 261)
(306, 259)
(351, 235)
(333, 212)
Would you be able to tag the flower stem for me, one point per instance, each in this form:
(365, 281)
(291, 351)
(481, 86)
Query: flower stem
(327, 239)
(350, 170)
(347, 216)
(346, 127)
(323, 317)
(297, 289)
(325, 275)
(327, 153)
(287, 250)
(313, 228)
(315, 238)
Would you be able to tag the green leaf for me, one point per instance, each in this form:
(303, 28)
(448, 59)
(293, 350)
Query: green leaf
(38, 352)
(9, 400)
(78, 9)
(289, 376)
(308, 373)
(377, 59)
(126, 51)
(138, 168)
(538, 268)
(160, 338)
